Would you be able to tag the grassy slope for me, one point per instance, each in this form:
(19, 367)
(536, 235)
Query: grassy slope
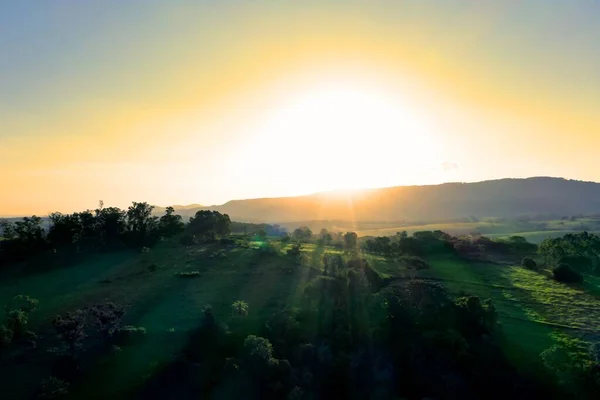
(165, 304)
(535, 311)
(551, 228)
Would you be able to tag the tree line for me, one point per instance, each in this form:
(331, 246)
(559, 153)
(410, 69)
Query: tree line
(105, 228)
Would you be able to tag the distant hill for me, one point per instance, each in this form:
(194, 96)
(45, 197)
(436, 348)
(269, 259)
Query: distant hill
(507, 198)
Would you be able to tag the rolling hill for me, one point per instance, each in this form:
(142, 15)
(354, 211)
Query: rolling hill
(506, 198)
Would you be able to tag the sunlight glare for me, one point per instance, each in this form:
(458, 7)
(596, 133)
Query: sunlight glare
(345, 136)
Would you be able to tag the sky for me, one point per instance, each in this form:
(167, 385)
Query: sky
(184, 102)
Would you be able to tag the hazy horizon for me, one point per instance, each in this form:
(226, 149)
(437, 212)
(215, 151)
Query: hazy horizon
(203, 102)
(333, 192)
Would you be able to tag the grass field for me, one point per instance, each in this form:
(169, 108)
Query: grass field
(487, 229)
(166, 305)
(537, 236)
(535, 311)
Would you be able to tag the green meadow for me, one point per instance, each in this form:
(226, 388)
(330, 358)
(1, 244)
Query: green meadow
(166, 289)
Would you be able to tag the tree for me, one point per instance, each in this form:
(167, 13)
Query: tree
(476, 317)
(64, 229)
(573, 249)
(262, 234)
(325, 236)
(17, 314)
(302, 234)
(170, 224)
(71, 329)
(111, 224)
(258, 352)
(401, 235)
(21, 239)
(350, 241)
(107, 317)
(239, 308)
(142, 225)
(210, 225)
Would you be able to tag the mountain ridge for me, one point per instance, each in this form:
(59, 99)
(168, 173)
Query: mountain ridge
(506, 197)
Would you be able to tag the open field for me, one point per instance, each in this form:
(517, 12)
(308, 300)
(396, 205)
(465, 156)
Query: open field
(492, 230)
(535, 312)
(166, 305)
(537, 236)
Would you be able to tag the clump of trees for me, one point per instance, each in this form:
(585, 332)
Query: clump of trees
(247, 228)
(302, 234)
(209, 225)
(420, 243)
(100, 323)
(105, 228)
(581, 251)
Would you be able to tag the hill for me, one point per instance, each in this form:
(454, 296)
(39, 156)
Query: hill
(505, 198)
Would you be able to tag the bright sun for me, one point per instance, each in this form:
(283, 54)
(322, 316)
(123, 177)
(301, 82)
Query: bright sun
(344, 136)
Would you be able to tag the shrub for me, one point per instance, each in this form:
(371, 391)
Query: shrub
(71, 329)
(257, 351)
(239, 308)
(53, 388)
(564, 273)
(130, 334)
(529, 263)
(107, 317)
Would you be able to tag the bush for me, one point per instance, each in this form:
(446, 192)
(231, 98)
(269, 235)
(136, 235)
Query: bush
(529, 263)
(564, 273)
(53, 388)
(70, 327)
(239, 308)
(130, 334)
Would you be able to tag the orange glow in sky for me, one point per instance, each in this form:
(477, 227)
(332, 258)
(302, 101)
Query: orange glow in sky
(203, 102)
